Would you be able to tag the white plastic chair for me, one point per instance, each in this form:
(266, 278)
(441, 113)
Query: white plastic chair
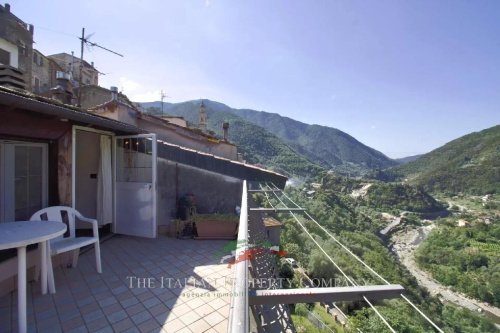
(69, 242)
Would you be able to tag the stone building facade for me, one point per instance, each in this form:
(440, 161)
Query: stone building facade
(43, 73)
(71, 64)
(16, 45)
(93, 95)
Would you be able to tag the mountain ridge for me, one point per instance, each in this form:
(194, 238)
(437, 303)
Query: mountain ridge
(469, 164)
(257, 145)
(325, 146)
(299, 135)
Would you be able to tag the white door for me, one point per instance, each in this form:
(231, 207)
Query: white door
(135, 185)
(23, 179)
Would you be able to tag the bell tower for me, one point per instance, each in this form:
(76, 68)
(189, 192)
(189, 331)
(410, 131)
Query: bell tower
(202, 117)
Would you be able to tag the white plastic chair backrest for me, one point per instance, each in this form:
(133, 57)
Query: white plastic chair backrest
(62, 214)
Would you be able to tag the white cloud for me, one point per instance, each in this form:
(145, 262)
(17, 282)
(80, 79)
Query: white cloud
(129, 86)
(146, 96)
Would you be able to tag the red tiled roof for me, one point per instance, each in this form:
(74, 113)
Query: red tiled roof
(272, 222)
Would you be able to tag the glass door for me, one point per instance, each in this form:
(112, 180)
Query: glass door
(135, 185)
(23, 180)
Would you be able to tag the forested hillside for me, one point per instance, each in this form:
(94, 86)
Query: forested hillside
(467, 258)
(356, 222)
(320, 143)
(470, 164)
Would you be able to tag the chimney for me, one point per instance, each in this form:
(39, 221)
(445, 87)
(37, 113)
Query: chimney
(31, 28)
(114, 93)
(225, 130)
(62, 91)
(7, 8)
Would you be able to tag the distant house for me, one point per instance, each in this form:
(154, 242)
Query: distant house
(179, 121)
(44, 73)
(273, 230)
(71, 64)
(23, 67)
(310, 193)
(94, 95)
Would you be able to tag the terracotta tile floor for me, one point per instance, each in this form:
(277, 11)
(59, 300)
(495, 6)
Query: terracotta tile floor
(186, 291)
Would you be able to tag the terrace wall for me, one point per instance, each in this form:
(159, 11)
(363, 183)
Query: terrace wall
(214, 193)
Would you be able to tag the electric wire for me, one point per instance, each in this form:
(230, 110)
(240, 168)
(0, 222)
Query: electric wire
(56, 31)
(358, 259)
(268, 200)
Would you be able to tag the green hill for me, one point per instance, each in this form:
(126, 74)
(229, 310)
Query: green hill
(324, 146)
(470, 164)
(407, 159)
(403, 197)
(329, 146)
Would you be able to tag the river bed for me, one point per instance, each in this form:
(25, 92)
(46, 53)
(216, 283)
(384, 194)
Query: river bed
(404, 244)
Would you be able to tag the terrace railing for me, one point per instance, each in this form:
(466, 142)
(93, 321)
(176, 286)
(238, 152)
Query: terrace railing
(258, 303)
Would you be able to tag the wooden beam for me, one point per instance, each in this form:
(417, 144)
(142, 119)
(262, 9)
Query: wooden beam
(336, 294)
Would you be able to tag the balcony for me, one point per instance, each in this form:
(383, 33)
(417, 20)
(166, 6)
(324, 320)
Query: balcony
(171, 285)
(11, 77)
(187, 292)
(261, 305)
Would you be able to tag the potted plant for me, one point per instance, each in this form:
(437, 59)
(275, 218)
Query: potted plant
(216, 226)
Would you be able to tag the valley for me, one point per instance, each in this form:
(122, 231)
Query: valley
(428, 222)
(404, 245)
(346, 206)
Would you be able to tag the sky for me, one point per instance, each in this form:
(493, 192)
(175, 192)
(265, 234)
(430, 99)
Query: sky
(403, 77)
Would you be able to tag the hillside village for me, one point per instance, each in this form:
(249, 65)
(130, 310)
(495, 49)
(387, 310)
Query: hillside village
(70, 80)
(174, 186)
(73, 153)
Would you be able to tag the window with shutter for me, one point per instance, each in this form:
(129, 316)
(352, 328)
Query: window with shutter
(4, 57)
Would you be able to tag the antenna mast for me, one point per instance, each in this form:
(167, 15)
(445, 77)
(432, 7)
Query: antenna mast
(85, 40)
(162, 95)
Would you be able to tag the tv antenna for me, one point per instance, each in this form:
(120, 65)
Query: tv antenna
(162, 95)
(85, 41)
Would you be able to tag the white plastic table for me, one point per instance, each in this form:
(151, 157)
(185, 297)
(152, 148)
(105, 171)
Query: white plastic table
(19, 235)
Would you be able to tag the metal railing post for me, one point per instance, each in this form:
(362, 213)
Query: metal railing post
(238, 313)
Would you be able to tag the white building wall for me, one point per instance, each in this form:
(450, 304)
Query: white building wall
(13, 50)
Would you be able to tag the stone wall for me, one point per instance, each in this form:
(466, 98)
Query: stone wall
(214, 193)
(93, 95)
(41, 70)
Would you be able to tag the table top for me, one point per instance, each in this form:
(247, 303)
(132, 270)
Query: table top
(23, 233)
